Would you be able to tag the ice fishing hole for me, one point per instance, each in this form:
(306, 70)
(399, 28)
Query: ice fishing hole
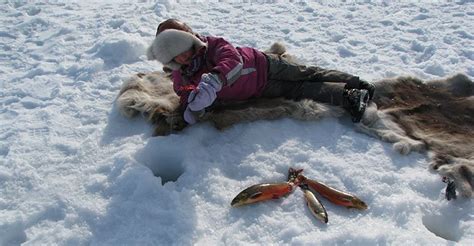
(168, 168)
(164, 162)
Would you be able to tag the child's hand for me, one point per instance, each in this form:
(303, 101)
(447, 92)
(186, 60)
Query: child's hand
(189, 116)
(205, 93)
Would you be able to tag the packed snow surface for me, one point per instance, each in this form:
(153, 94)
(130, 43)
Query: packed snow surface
(73, 171)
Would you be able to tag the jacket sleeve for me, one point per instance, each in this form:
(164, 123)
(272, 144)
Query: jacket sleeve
(228, 62)
(181, 90)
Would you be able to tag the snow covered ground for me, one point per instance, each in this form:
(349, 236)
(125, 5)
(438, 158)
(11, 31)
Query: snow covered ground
(74, 172)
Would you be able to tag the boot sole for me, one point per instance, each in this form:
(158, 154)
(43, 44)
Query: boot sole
(362, 105)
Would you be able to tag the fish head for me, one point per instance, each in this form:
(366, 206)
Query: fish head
(359, 204)
(245, 197)
(304, 187)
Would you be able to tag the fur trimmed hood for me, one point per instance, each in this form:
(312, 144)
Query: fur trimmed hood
(170, 43)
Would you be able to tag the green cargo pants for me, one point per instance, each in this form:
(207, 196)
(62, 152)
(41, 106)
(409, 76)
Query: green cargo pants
(294, 81)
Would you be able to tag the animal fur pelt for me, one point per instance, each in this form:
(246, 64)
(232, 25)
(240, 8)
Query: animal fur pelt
(435, 116)
(149, 94)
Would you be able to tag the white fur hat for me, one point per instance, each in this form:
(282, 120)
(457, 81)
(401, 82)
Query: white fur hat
(170, 43)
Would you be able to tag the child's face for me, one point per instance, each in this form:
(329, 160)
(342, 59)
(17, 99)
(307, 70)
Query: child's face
(185, 57)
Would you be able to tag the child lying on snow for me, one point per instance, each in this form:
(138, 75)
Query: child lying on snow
(209, 69)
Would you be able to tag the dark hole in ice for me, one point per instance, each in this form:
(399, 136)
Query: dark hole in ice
(168, 168)
(168, 173)
(164, 163)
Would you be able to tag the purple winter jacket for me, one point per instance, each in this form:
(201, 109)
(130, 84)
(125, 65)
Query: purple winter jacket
(243, 71)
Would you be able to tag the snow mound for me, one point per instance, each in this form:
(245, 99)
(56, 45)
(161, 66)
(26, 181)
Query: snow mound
(116, 51)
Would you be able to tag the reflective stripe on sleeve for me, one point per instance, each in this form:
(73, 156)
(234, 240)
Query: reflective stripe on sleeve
(234, 74)
(238, 71)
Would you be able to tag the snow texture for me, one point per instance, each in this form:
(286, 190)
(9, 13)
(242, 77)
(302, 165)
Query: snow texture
(75, 172)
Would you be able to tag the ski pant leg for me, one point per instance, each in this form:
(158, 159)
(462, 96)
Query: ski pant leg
(322, 92)
(280, 69)
(295, 81)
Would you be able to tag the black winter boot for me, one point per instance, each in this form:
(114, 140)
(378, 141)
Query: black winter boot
(368, 86)
(355, 101)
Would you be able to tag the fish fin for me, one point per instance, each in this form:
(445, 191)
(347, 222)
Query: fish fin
(346, 199)
(255, 195)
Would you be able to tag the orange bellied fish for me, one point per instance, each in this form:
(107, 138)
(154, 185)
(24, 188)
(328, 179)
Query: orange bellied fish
(335, 196)
(314, 205)
(262, 192)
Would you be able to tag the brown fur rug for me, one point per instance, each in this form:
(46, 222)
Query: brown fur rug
(435, 116)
